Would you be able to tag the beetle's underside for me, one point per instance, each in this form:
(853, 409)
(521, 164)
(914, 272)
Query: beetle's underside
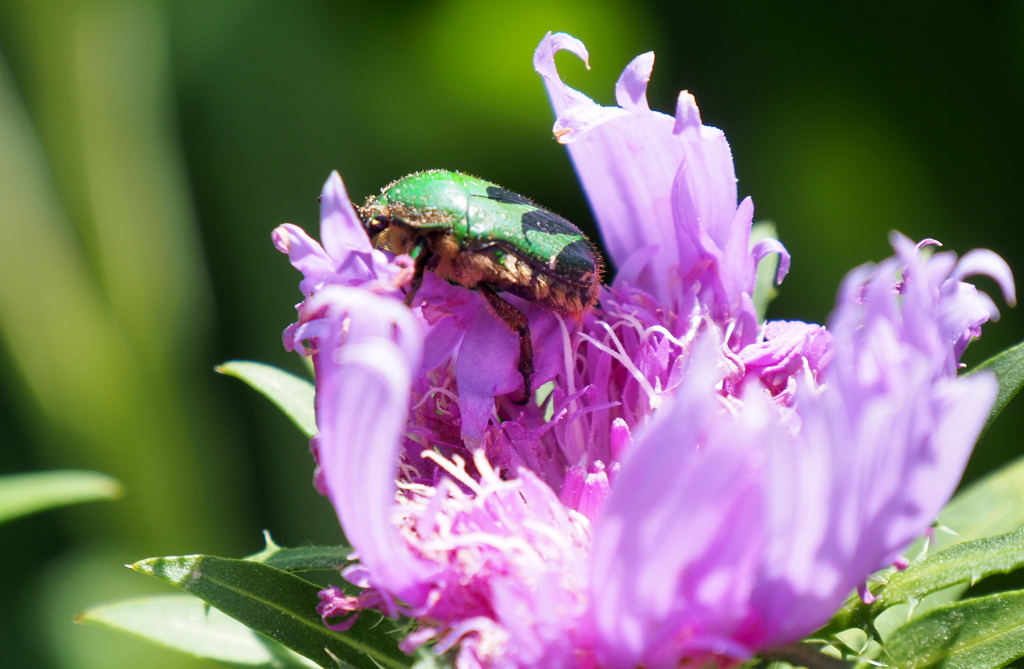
(494, 265)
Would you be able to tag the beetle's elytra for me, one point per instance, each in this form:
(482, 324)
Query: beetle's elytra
(477, 234)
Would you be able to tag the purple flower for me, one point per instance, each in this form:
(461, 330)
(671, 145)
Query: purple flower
(692, 485)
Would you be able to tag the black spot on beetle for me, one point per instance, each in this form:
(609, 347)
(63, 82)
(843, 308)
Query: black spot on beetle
(576, 262)
(502, 195)
(545, 222)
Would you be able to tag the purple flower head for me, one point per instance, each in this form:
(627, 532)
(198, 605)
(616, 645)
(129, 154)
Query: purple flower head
(689, 485)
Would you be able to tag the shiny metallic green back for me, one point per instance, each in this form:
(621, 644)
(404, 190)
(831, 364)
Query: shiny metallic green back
(481, 215)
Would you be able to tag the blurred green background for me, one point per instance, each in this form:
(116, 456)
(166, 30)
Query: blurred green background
(147, 149)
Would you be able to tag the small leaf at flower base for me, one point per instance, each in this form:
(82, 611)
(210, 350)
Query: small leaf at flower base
(22, 494)
(283, 607)
(1008, 367)
(304, 558)
(983, 632)
(292, 394)
(764, 288)
(191, 626)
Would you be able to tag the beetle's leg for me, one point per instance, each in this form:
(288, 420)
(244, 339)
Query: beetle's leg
(516, 320)
(421, 254)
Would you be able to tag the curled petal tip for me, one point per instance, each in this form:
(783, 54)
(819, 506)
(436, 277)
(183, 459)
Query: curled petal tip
(784, 260)
(552, 43)
(768, 246)
(281, 239)
(988, 263)
(566, 42)
(631, 89)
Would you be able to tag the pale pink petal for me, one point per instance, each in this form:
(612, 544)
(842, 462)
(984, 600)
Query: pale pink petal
(562, 96)
(363, 382)
(631, 89)
(340, 229)
(305, 255)
(988, 263)
(766, 247)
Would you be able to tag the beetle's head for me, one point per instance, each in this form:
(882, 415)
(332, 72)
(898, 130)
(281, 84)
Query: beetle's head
(373, 219)
(376, 224)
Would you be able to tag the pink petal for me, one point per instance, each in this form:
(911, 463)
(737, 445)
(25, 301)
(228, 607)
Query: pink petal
(631, 89)
(305, 255)
(562, 97)
(681, 517)
(363, 384)
(988, 263)
(628, 158)
(766, 247)
(340, 229)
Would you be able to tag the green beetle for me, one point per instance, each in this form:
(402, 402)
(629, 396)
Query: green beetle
(477, 234)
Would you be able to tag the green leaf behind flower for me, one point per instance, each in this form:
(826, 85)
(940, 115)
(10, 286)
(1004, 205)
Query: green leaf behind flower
(283, 607)
(22, 494)
(292, 394)
(982, 632)
(991, 506)
(304, 558)
(189, 625)
(764, 287)
(1008, 368)
(966, 563)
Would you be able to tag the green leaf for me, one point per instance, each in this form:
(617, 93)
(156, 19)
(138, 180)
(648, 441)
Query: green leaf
(963, 563)
(189, 625)
(974, 633)
(807, 655)
(292, 394)
(304, 558)
(22, 494)
(990, 506)
(994, 504)
(282, 607)
(764, 287)
(1008, 367)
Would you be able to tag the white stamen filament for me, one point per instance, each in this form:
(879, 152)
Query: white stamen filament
(456, 467)
(663, 331)
(436, 390)
(578, 437)
(622, 357)
(567, 355)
